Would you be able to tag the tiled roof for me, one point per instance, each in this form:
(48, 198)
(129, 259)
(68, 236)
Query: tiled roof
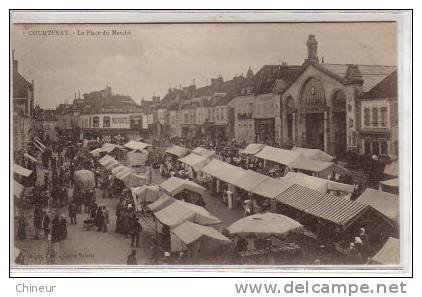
(265, 79)
(371, 74)
(387, 88)
(20, 86)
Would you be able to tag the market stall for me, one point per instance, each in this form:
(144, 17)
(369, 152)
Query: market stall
(199, 243)
(390, 186)
(313, 154)
(138, 145)
(137, 158)
(386, 203)
(265, 238)
(389, 254)
(203, 152)
(177, 151)
(252, 149)
(224, 180)
(183, 189)
(313, 167)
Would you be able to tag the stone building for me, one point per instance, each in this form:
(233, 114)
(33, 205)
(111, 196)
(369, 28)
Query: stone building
(23, 108)
(378, 129)
(319, 109)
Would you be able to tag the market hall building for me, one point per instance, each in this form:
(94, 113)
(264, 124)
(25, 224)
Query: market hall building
(321, 107)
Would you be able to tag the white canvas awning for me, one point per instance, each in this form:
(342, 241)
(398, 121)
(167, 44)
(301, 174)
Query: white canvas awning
(310, 164)
(17, 189)
(250, 179)
(21, 170)
(314, 154)
(252, 148)
(224, 171)
(203, 152)
(179, 212)
(194, 160)
(137, 145)
(386, 203)
(277, 155)
(389, 254)
(190, 232)
(392, 169)
(33, 159)
(391, 182)
(137, 157)
(175, 185)
(177, 151)
(271, 188)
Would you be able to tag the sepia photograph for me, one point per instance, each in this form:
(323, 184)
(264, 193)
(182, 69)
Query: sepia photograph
(206, 144)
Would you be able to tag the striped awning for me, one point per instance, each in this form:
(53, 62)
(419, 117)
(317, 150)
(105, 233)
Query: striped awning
(300, 197)
(336, 209)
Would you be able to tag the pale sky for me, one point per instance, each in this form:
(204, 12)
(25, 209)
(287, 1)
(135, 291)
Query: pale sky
(156, 56)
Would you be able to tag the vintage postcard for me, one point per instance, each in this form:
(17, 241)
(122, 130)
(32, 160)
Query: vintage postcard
(200, 143)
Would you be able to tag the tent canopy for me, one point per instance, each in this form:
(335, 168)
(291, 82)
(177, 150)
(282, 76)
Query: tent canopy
(252, 148)
(194, 160)
(162, 202)
(264, 224)
(224, 171)
(17, 189)
(104, 159)
(175, 185)
(108, 147)
(338, 210)
(118, 169)
(111, 164)
(310, 164)
(250, 179)
(391, 182)
(96, 152)
(392, 169)
(146, 193)
(314, 154)
(84, 179)
(277, 155)
(177, 151)
(179, 212)
(386, 203)
(33, 159)
(271, 188)
(190, 232)
(203, 152)
(300, 197)
(137, 157)
(307, 181)
(137, 145)
(389, 254)
(21, 170)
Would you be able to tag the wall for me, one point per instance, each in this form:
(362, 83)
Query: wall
(117, 121)
(244, 125)
(330, 86)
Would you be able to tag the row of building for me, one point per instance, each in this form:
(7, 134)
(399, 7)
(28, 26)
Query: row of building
(334, 107)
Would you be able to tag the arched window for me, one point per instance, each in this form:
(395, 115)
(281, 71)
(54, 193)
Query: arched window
(106, 122)
(289, 105)
(313, 96)
(95, 121)
(339, 101)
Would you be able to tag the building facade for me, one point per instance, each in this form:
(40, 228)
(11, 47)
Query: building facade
(23, 108)
(378, 129)
(244, 126)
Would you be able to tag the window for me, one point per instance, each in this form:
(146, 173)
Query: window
(375, 116)
(384, 148)
(106, 122)
(367, 117)
(367, 147)
(375, 148)
(383, 116)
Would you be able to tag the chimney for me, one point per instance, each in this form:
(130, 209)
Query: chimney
(312, 45)
(353, 75)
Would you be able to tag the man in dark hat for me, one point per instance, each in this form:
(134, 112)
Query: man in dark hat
(136, 228)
